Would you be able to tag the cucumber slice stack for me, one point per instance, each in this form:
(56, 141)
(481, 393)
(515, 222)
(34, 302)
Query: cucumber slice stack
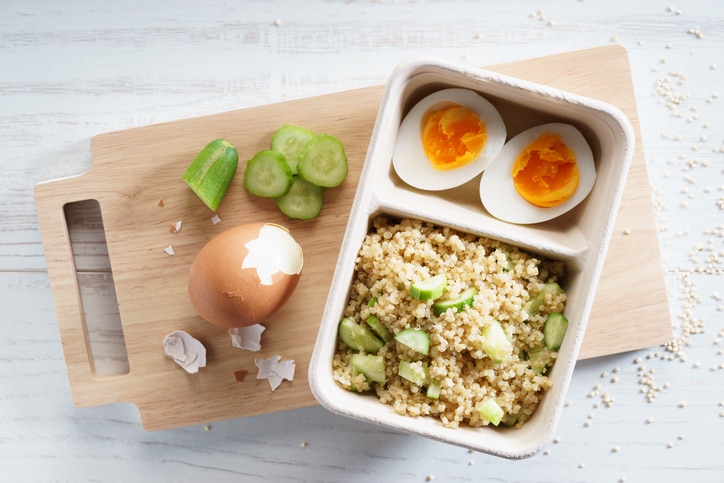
(295, 170)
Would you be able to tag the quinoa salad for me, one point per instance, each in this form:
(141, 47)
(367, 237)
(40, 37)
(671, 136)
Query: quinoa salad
(474, 352)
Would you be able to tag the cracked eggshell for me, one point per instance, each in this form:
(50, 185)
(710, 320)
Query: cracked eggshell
(245, 274)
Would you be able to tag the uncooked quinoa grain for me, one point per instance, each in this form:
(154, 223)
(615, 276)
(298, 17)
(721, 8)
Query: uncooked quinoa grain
(395, 255)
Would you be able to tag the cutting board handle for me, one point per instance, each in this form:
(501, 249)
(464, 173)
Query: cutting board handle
(52, 200)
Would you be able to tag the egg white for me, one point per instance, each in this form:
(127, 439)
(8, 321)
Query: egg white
(409, 158)
(497, 190)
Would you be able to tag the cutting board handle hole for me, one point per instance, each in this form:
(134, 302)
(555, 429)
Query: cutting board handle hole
(100, 318)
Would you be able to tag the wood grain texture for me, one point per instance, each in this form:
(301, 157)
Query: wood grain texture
(81, 69)
(133, 169)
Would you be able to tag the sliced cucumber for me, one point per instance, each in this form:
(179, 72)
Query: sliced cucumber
(323, 161)
(429, 289)
(290, 141)
(496, 344)
(358, 337)
(537, 358)
(533, 305)
(415, 339)
(267, 174)
(433, 389)
(460, 303)
(379, 328)
(491, 411)
(416, 373)
(372, 366)
(303, 201)
(554, 329)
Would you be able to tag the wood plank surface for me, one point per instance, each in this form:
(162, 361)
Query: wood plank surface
(133, 169)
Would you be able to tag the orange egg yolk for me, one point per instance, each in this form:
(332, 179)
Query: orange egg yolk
(453, 137)
(546, 172)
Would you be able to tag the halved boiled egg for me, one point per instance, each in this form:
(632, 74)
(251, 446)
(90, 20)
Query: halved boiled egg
(447, 139)
(539, 174)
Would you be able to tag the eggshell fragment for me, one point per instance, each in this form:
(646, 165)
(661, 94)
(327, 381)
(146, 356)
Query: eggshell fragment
(185, 351)
(497, 190)
(245, 274)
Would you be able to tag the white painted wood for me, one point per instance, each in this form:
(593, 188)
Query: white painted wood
(75, 69)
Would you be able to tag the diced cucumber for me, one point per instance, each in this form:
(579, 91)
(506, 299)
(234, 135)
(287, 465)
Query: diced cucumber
(415, 339)
(460, 303)
(533, 305)
(429, 289)
(537, 358)
(554, 329)
(267, 174)
(496, 344)
(323, 161)
(210, 173)
(433, 389)
(358, 337)
(303, 201)
(415, 372)
(290, 141)
(491, 411)
(372, 366)
(379, 328)
(509, 420)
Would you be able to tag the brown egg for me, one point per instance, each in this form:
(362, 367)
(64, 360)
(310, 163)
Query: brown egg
(245, 274)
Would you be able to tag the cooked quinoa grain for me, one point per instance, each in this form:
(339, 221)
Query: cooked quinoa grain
(395, 255)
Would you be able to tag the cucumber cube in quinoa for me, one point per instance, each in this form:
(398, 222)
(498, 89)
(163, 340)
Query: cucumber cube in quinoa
(460, 303)
(290, 141)
(538, 358)
(358, 337)
(433, 389)
(533, 306)
(379, 328)
(415, 339)
(495, 343)
(415, 372)
(491, 411)
(267, 174)
(372, 366)
(429, 289)
(323, 161)
(210, 173)
(303, 201)
(554, 329)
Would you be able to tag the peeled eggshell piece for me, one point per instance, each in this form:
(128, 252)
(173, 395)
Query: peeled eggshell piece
(247, 338)
(275, 370)
(185, 351)
(245, 274)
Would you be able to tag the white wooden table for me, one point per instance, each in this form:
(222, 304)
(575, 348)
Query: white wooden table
(71, 70)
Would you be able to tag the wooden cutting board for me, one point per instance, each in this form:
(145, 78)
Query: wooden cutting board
(133, 169)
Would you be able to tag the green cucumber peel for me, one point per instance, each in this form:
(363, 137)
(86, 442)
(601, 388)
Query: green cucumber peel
(495, 342)
(415, 339)
(372, 366)
(554, 330)
(358, 337)
(429, 289)
(303, 201)
(290, 141)
(460, 303)
(210, 173)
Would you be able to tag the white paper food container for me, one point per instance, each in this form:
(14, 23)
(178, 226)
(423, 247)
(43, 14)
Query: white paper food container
(579, 237)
